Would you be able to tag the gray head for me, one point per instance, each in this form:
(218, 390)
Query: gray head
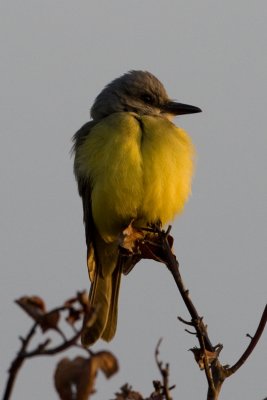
(139, 92)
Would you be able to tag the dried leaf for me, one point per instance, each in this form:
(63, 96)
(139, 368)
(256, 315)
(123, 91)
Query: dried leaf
(71, 379)
(74, 316)
(106, 362)
(75, 379)
(199, 355)
(147, 243)
(50, 321)
(130, 236)
(126, 393)
(82, 298)
(34, 306)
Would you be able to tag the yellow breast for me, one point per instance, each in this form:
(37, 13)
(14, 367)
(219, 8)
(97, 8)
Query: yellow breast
(139, 167)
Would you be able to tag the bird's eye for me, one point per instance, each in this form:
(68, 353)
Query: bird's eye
(147, 98)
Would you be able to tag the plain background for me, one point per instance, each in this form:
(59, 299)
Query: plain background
(55, 58)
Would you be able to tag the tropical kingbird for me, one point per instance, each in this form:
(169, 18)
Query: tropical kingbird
(133, 166)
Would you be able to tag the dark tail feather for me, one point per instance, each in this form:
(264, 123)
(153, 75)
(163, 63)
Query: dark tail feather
(100, 299)
(111, 323)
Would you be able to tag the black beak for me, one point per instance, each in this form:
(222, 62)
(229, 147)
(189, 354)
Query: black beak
(179, 108)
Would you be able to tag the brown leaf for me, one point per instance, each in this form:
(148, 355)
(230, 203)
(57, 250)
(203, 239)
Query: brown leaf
(126, 393)
(50, 320)
(146, 243)
(34, 306)
(75, 379)
(82, 298)
(74, 316)
(130, 236)
(199, 355)
(106, 362)
(71, 379)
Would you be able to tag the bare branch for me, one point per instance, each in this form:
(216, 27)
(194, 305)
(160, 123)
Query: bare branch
(185, 322)
(252, 344)
(17, 362)
(207, 355)
(164, 370)
(35, 308)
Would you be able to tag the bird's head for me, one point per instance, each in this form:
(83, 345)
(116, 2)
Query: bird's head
(139, 92)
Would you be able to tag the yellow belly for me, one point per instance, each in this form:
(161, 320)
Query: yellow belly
(139, 168)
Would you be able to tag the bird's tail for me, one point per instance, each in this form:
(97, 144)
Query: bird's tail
(103, 297)
(111, 323)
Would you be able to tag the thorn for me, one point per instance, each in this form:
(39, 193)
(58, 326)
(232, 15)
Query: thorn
(184, 321)
(191, 333)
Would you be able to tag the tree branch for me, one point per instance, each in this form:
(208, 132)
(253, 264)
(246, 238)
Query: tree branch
(207, 355)
(164, 373)
(17, 362)
(252, 345)
(35, 307)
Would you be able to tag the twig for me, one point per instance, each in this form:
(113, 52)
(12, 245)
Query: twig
(252, 344)
(41, 349)
(17, 362)
(185, 322)
(164, 373)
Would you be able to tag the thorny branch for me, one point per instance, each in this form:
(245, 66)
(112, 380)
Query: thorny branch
(252, 345)
(157, 244)
(164, 370)
(18, 361)
(35, 307)
(74, 379)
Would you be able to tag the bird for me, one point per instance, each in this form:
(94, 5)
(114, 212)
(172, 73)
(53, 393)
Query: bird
(132, 165)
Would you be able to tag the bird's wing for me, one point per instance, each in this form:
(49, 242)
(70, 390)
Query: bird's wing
(104, 266)
(84, 187)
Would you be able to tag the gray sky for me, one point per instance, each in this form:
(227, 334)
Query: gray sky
(55, 58)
